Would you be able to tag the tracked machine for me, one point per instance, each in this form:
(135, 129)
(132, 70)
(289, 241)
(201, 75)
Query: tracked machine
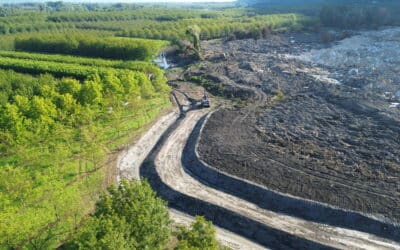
(205, 102)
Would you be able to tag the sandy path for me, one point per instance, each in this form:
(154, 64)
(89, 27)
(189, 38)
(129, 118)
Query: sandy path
(170, 169)
(129, 163)
(130, 160)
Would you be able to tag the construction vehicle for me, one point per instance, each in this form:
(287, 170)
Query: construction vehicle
(205, 102)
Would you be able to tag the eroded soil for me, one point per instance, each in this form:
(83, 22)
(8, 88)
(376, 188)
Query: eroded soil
(308, 129)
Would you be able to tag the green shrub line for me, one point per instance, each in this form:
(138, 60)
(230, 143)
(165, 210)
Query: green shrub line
(56, 136)
(134, 65)
(90, 46)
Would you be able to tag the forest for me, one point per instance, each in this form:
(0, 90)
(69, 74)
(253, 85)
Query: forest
(77, 83)
(57, 127)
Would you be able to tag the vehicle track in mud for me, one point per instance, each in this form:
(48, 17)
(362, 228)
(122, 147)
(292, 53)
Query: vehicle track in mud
(282, 231)
(129, 162)
(177, 185)
(322, 141)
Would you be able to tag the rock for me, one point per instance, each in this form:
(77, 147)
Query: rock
(249, 66)
(397, 95)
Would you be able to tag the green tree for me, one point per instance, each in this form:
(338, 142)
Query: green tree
(129, 216)
(146, 88)
(194, 32)
(91, 93)
(70, 86)
(105, 232)
(200, 236)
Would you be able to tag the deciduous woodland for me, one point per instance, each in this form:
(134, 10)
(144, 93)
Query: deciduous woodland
(78, 83)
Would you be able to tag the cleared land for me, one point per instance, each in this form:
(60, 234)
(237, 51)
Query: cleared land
(190, 194)
(320, 132)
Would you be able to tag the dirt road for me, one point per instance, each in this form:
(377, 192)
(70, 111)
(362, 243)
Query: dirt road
(129, 164)
(130, 160)
(179, 185)
(171, 171)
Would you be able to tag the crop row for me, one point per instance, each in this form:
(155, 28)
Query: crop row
(66, 59)
(57, 69)
(91, 46)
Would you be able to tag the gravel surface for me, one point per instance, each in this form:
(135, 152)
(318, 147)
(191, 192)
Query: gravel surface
(128, 168)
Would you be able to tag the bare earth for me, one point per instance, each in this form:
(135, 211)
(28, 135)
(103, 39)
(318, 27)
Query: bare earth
(128, 168)
(171, 171)
(300, 129)
(325, 131)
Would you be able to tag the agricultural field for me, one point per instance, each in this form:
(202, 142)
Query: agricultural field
(62, 119)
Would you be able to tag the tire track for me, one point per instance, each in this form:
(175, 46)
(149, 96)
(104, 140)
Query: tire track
(168, 167)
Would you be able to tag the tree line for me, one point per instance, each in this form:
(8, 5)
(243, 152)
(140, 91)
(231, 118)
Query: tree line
(210, 28)
(360, 16)
(131, 216)
(111, 47)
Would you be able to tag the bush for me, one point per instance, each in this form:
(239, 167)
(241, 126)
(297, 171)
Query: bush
(200, 236)
(129, 216)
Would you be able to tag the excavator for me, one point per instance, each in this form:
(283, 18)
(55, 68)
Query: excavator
(205, 102)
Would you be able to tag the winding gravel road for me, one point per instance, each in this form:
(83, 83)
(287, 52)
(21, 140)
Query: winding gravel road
(129, 163)
(168, 166)
(171, 171)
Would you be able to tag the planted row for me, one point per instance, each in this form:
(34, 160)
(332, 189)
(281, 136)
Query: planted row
(90, 46)
(40, 67)
(133, 65)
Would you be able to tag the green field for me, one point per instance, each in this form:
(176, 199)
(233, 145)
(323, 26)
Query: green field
(61, 118)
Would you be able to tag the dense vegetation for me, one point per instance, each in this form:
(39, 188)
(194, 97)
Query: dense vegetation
(132, 217)
(201, 235)
(119, 64)
(112, 48)
(360, 16)
(58, 126)
(150, 23)
(128, 217)
(55, 136)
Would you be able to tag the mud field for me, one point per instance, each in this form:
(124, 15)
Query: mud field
(306, 124)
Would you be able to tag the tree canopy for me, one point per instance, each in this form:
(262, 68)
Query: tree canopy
(200, 236)
(129, 216)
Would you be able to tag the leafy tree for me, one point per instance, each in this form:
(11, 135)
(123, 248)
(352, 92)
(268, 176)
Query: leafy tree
(70, 86)
(11, 119)
(91, 93)
(200, 236)
(194, 33)
(105, 232)
(129, 216)
(146, 88)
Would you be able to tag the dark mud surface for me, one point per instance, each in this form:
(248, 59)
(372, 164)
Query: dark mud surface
(301, 132)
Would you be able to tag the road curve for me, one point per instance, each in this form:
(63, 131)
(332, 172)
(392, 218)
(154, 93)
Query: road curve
(129, 163)
(161, 148)
(168, 164)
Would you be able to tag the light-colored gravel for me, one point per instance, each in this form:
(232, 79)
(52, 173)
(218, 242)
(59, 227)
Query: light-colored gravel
(129, 165)
(130, 160)
(170, 169)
